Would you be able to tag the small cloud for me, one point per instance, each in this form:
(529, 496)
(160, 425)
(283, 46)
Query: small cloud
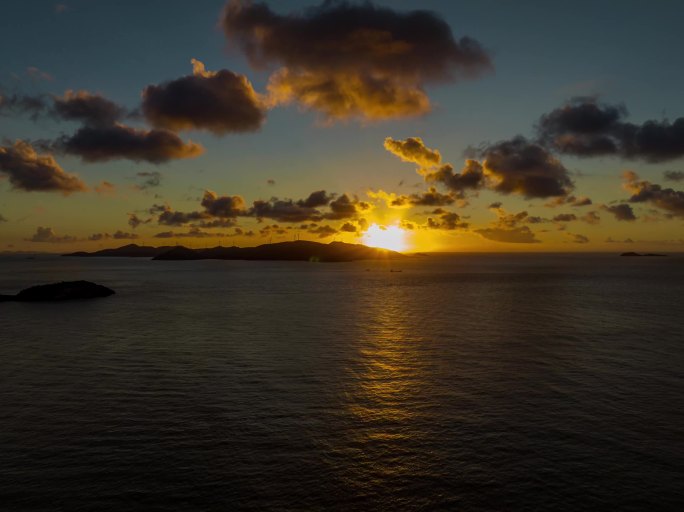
(48, 235)
(38, 75)
(105, 188)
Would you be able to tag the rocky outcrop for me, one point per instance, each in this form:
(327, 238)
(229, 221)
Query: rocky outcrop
(69, 290)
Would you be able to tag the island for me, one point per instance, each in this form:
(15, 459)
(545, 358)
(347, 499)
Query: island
(300, 250)
(67, 290)
(633, 254)
(128, 251)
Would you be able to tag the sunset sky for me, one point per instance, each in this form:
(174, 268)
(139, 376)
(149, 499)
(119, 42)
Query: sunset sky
(462, 125)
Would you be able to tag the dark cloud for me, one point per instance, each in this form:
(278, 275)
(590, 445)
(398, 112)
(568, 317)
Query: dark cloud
(150, 179)
(29, 171)
(447, 221)
(344, 207)
(170, 217)
(2, 218)
(520, 235)
(33, 106)
(323, 231)
(577, 238)
(674, 175)
(565, 217)
(223, 206)
(507, 228)
(270, 182)
(118, 235)
(591, 218)
(348, 227)
(413, 150)
(191, 233)
(87, 108)
(471, 177)
(585, 127)
(48, 235)
(218, 101)
(100, 144)
(670, 200)
(518, 166)
(105, 187)
(569, 200)
(353, 61)
(431, 197)
(621, 211)
(316, 199)
(284, 210)
(134, 221)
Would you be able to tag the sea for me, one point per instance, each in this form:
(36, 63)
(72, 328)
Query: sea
(455, 382)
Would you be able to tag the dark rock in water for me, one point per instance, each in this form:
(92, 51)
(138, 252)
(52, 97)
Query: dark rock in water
(632, 254)
(60, 291)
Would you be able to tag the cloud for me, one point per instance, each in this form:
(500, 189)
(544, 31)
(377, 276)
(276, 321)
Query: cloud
(413, 150)
(217, 101)
(271, 182)
(29, 171)
(591, 218)
(47, 235)
(621, 211)
(353, 61)
(170, 217)
(609, 240)
(223, 206)
(322, 231)
(584, 127)
(577, 238)
(674, 175)
(88, 108)
(284, 210)
(105, 187)
(316, 199)
(518, 166)
(150, 179)
(38, 74)
(471, 177)
(118, 235)
(571, 200)
(134, 221)
(670, 200)
(23, 104)
(447, 221)
(2, 218)
(348, 227)
(507, 228)
(191, 233)
(520, 235)
(565, 217)
(431, 197)
(100, 144)
(345, 207)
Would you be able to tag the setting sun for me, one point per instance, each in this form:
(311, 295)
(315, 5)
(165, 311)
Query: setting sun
(385, 237)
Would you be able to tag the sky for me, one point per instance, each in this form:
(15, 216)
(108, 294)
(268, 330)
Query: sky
(454, 125)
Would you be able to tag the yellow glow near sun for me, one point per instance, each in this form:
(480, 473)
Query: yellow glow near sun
(385, 237)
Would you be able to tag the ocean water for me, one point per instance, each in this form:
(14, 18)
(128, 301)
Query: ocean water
(463, 382)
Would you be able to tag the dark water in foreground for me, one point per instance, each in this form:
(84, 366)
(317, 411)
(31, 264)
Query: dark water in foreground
(461, 383)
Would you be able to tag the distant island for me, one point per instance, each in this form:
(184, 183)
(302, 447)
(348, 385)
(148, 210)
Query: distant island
(300, 250)
(67, 290)
(632, 254)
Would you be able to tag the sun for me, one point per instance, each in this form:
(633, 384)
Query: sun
(385, 237)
